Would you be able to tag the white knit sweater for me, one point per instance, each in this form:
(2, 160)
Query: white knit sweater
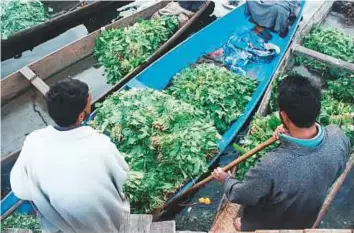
(75, 178)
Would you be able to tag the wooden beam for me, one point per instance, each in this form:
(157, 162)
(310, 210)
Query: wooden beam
(163, 227)
(331, 61)
(135, 223)
(13, 230)
(35, 80)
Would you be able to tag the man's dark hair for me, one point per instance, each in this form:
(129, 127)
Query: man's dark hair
(66, 100)
(300, 99)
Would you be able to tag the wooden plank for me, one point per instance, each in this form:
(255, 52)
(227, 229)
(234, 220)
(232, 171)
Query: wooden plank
(224, 221)
(291, 231)
(35, 80)
(13, 230)
(301, 50)
(317, 231)
(136, 223)
(13, 85)
(267, 231)
(163, 227)
(190, 232)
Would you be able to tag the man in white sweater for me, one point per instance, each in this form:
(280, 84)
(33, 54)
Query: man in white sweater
(72, 173)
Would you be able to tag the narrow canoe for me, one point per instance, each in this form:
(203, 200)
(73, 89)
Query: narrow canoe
(159, 74)
(227, 211)
(17, 91)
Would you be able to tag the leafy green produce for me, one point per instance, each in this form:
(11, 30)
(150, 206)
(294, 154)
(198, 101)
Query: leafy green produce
(121, 50)
(342, 88)
(21, 221)
(221, 94)
(261, 129)
(330, 42)
(166, 142)
(339, 113)
(17, 15)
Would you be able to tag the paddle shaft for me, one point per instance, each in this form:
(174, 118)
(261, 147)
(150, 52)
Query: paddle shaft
(232, 164)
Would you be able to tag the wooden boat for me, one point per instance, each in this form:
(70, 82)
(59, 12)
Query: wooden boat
(19, 107)
(203, 43)
(227, 211)
(67, 15)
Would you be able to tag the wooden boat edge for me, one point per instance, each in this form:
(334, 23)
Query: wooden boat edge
(37, 27)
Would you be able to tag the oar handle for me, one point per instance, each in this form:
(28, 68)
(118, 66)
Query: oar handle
(236, 162)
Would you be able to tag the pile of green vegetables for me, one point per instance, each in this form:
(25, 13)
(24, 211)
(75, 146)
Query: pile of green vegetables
(261, 129)
(121, 50)
(330, 42)
(165, 142)
(21, 221)
(220, 93)
(342, 88)
(333, 111)
(17, 15)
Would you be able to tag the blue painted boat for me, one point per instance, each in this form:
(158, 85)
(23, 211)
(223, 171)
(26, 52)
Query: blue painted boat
(160, 73)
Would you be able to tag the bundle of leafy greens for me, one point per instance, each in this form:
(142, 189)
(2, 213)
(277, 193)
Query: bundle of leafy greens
(339, 113)
(220, 93)
(121, 50)
(17, 15)
(166, 142)
(342, 89)
(21, 221)
(330, 42)
(261, 129)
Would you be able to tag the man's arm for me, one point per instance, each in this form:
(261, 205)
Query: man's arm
(255, 186)
(19, 178)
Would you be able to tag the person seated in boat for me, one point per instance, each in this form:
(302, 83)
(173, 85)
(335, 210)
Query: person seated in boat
(72, 173)
(287, 187)
(275, 15)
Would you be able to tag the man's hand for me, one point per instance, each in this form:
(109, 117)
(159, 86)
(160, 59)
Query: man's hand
(280, 130)
(220, 175)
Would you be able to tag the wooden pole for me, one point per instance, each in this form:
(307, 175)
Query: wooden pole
(332, 194)
(332, 61)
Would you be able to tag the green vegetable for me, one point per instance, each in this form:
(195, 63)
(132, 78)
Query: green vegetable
(21, 221)
(121, 50)
(339, 113)
(342, 88)
(261, 129)
(17, 15)
(330, 42)
(166, 142)
(221, 94)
